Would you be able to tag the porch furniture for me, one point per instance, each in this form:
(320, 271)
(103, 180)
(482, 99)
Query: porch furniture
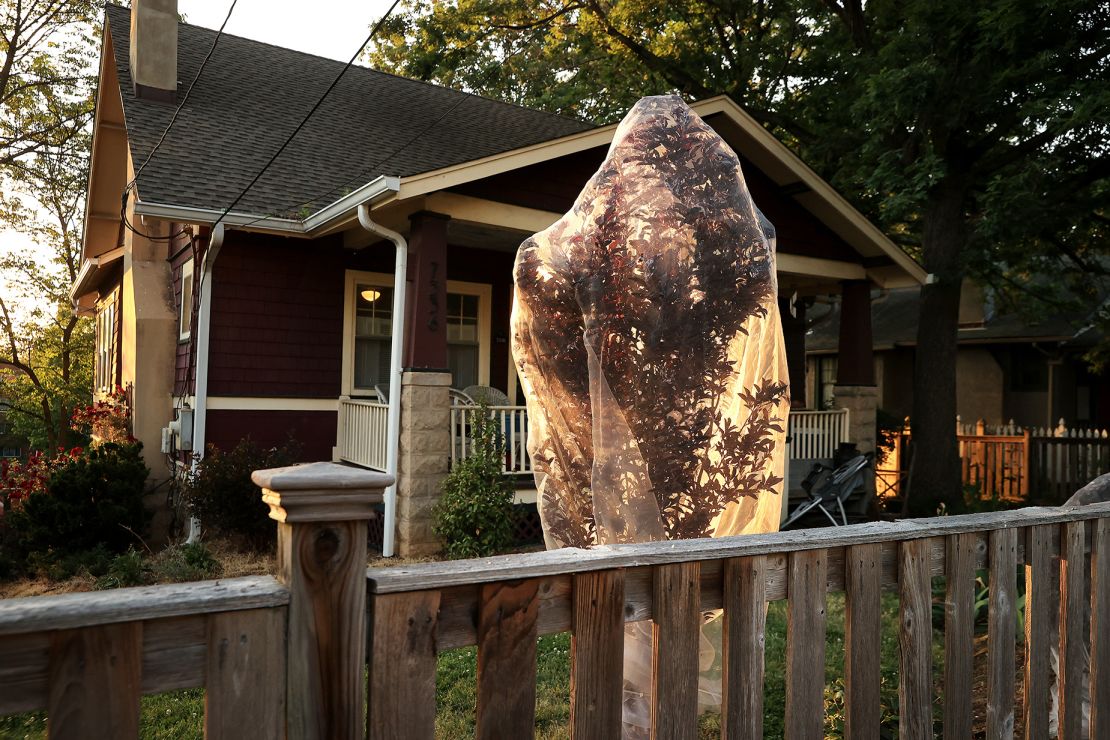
(828, 488)
(459, 398)
(487, 395)
(382, 389)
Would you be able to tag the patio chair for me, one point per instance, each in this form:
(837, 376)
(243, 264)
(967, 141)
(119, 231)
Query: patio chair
(487, 395)
(829, 489)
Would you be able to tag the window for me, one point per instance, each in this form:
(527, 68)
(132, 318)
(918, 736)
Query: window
(106, 344)
(185, 319)
(373, 329)
(463, 339)
(826, 382)
(368, 330)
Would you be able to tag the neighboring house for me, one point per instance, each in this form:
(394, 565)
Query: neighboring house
(1007, 367)
(282, 319)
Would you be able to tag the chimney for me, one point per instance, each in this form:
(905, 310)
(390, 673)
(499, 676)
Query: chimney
(154, 49)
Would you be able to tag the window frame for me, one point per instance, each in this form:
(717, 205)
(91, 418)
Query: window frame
(107, 334)
(185, 318)
(353, 278)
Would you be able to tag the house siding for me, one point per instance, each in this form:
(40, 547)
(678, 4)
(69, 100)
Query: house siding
(313, 431)
(182, 251)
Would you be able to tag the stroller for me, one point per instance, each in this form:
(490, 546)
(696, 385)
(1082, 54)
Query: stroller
(828, 489)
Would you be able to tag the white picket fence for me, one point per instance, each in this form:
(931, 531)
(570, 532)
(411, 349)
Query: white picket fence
(815, 435)
(362, 432)
(510, 421)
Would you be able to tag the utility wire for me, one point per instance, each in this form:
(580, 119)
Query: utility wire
(305, 120)
(165, 132)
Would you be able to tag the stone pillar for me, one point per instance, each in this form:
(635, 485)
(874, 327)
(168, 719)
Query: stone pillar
(322, 509)
(862, 401)
(427, 332)
(424, 454)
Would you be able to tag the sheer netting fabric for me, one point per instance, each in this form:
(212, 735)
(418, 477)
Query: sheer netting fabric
(648, 344)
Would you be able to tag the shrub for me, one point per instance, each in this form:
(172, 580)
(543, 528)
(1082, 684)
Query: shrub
(221, 494)
(91, 501)
(191, 561)
(125, 570)
(475, 515)
(107, 420)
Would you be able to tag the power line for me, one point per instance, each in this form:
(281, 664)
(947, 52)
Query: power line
(360, 178)
(315, 107)
(173, 119)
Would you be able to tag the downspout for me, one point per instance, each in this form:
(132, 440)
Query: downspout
(393, 424)
(200, 388)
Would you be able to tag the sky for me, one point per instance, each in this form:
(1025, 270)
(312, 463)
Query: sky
(335, 29)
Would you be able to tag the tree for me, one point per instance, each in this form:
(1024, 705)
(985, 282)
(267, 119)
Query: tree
(47, 50)
(47, 74)
(974, 133)
(46, 348)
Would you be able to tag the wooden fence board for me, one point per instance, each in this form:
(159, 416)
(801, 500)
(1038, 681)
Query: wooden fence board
(915, 688)
(597, 655)
(959, 633)
(245, 684)
(745, 621)
(676, 631)
(570, 560)
(401, 698)
(94, 682)
(805, 645)
(24, 674)
(67, 611)
(1073, 617)
(1040, 628)
(863, 634)
(1001, 633)
(175, 653)
(1100, 630)
(506, 701)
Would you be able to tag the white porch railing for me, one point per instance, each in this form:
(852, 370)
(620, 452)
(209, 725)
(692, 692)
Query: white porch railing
(362, 432)
(512, 421)
(815, 435)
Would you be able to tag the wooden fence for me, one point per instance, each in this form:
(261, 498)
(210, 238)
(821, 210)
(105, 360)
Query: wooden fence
(288, 656)
(1011, 463)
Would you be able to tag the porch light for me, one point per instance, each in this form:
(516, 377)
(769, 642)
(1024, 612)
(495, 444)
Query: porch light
(371, 295)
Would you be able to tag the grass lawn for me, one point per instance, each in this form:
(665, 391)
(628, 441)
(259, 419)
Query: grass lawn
(180, 714)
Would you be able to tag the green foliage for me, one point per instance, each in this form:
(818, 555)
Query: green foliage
(128, 569)
(475, 515)
(221, 494)
(175, 564)
(93, 503)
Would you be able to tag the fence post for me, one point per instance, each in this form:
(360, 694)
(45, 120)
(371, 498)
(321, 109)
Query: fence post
(322, 509)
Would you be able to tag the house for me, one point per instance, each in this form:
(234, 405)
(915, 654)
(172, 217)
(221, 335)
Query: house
(382, 239)
(1008, 368)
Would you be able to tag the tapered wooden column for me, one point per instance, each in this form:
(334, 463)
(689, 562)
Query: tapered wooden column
(322, 510)
(427, 333)
(855, 356)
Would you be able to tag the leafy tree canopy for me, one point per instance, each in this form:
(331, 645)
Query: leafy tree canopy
(973, 132)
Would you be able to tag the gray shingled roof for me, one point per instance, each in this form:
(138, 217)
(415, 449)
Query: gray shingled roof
(894, 323)
(251, 97)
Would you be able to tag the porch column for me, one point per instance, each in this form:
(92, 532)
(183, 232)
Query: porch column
(794, 335)
(424, 453)
(855, 370)
(427, 334)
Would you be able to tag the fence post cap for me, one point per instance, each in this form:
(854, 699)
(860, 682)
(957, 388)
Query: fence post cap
(321, 491)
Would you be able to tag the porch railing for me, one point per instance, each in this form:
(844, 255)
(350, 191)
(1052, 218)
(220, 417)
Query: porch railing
(362, 432)
(815, 435)
(512, 424)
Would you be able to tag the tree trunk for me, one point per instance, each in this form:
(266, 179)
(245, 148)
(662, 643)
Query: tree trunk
(935, 466)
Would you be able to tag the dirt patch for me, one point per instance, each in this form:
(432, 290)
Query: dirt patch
(979, 688)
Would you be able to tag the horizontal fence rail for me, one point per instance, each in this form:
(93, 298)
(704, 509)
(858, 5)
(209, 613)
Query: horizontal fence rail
(87, 658)
(418, 610)
(362, 432)
(511, 424)
(815, 435)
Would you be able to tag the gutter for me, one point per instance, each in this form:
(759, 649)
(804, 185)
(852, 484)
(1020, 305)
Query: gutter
(200, 386)
(319, 221)
(396, 343)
